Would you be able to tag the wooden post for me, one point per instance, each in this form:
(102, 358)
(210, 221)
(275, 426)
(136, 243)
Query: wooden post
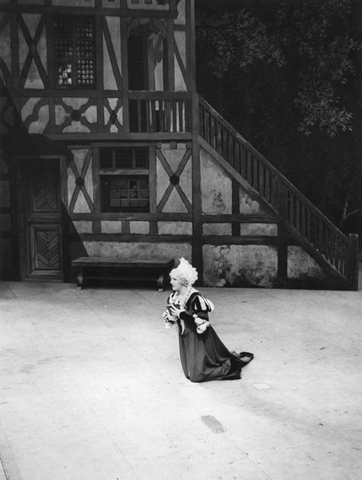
(282, 272)
(197, 258)
(282, 200)
(353, 261)
(124, 69)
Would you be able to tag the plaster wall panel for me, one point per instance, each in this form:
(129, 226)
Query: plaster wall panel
(28, 107)
(217, 229)
(181, 13)
(33, 79)
(114, 129)
(76, 127)
(111, 3)
(82, 226)
(256, 229)
(23, 50)
(186, 180)
(32, 22)
(88, 181)
(42, 50)
(71, 184)
(81, 205)
(247, 204)
(114, 26)
(174, 155)
(42, 121)
(142, 228)
(91, 114)
(163, 180)
(174, 204)
(301, 265)
(60, 114)
(108, 226)
(215, 187)
(175, 228)
(240, 265)
(143, 250)
(180, 61)
(79, 156)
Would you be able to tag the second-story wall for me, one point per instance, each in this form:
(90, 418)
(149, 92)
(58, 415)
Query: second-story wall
(70, 66)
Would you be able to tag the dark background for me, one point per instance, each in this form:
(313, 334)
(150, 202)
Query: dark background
(287, 75)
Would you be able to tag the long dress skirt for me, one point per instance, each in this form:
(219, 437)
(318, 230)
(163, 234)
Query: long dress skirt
(204, 357)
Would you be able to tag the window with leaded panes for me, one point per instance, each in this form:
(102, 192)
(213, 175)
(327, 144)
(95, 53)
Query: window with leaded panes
(124, 179)
(74, 51)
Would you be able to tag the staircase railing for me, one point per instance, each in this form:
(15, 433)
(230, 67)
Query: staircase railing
(304, 218)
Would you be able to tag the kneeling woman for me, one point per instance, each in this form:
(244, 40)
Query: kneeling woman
(203, 355)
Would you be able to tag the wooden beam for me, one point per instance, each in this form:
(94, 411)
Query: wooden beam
(137, 137)
(153, 184)
(353, 250)
(240, 218)
(235, 206)
(170, 55)
(241, 240)
(126, 237)
(118, 216)
(191, 45)
(95, 11)
(15, 66)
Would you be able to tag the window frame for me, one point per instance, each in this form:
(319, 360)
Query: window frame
(74, 59)
(130, 173)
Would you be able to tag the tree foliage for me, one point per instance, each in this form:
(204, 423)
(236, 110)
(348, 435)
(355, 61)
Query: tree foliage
(283, 73)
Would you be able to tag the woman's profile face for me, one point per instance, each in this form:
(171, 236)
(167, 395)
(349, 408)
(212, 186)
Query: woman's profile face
(175, 281)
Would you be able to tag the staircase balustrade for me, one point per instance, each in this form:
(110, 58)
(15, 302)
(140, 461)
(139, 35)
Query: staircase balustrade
(300, 214)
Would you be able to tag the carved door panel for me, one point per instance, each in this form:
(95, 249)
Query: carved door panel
(42, 222)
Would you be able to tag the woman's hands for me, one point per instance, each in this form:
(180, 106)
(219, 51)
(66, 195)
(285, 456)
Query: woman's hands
(175, 311)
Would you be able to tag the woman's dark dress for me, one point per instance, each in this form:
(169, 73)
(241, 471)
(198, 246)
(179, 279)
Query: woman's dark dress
(203, 355)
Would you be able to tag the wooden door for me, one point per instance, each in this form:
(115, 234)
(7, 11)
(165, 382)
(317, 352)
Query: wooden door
(41, 246)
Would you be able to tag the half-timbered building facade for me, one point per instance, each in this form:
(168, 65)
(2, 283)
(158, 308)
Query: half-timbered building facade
(107, 150)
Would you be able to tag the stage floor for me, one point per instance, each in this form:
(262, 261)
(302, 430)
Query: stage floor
(91, 387)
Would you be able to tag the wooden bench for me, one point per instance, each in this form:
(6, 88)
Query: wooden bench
(117, 268)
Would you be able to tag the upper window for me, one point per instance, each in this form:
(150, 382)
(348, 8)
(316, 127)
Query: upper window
(74, 49)
(124, 158)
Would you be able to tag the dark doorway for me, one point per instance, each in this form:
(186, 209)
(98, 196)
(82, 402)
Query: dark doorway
(40, 220)
(137, 62)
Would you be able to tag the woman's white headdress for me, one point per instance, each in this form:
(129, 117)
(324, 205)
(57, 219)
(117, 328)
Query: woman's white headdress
(186, 270)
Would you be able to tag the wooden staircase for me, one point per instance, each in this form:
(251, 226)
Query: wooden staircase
(336, 254)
